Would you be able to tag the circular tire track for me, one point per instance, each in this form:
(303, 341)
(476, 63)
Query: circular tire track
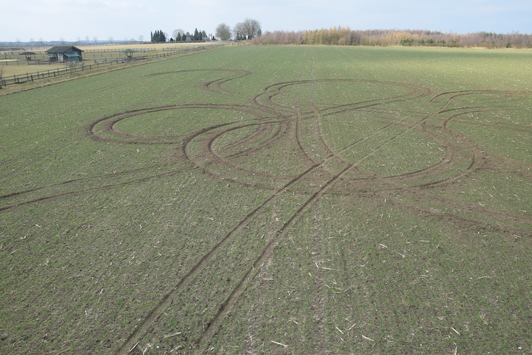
(274, 123)
(216, 160)
(105, 128)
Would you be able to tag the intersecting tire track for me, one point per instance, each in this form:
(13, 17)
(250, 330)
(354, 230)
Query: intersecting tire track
(271, 125)
(187, 278)
(265, 254)
(232, 299)
(108, 122)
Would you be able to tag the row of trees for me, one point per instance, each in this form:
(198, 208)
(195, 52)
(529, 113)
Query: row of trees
(246, 30)
(346, 36)
(250, 29)
(179, 36)
(158, 37)
(196, 36)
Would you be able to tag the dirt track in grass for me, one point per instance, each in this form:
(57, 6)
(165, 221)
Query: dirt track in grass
(278, 125)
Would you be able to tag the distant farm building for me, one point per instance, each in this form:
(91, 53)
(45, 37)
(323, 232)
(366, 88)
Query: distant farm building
(64, 54)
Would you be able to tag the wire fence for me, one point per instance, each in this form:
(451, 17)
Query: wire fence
(73, 68)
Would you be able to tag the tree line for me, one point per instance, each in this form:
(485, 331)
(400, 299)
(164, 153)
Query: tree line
(245, 30)
(158, 37)
(196, 36)
(346, 36)
(179, 36)
(250, 29)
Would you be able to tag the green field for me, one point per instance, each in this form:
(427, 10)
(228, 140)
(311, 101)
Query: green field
(272, 200)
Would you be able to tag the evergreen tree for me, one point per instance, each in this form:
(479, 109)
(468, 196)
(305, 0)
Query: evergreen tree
(158, 37)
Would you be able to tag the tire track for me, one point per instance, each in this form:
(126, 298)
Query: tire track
(233, 298)
(165, 302)
(265, 254)
(244, 147)
(72, 181)
(267, 251)
(274, 124)
(88, 190)
(154, 315)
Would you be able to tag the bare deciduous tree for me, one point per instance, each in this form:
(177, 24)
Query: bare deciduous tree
(238, 31)
(251, 28)
(223, 32)
(248, 29)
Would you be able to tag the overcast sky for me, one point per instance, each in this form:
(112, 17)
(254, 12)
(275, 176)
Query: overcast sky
(71, 20)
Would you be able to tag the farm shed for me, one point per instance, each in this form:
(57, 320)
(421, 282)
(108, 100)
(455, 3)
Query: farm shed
(64, 54)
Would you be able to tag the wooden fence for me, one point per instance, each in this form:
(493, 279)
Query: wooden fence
(80, 67)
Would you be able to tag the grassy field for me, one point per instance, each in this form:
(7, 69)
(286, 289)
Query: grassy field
(12, 63)
(272, 200)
